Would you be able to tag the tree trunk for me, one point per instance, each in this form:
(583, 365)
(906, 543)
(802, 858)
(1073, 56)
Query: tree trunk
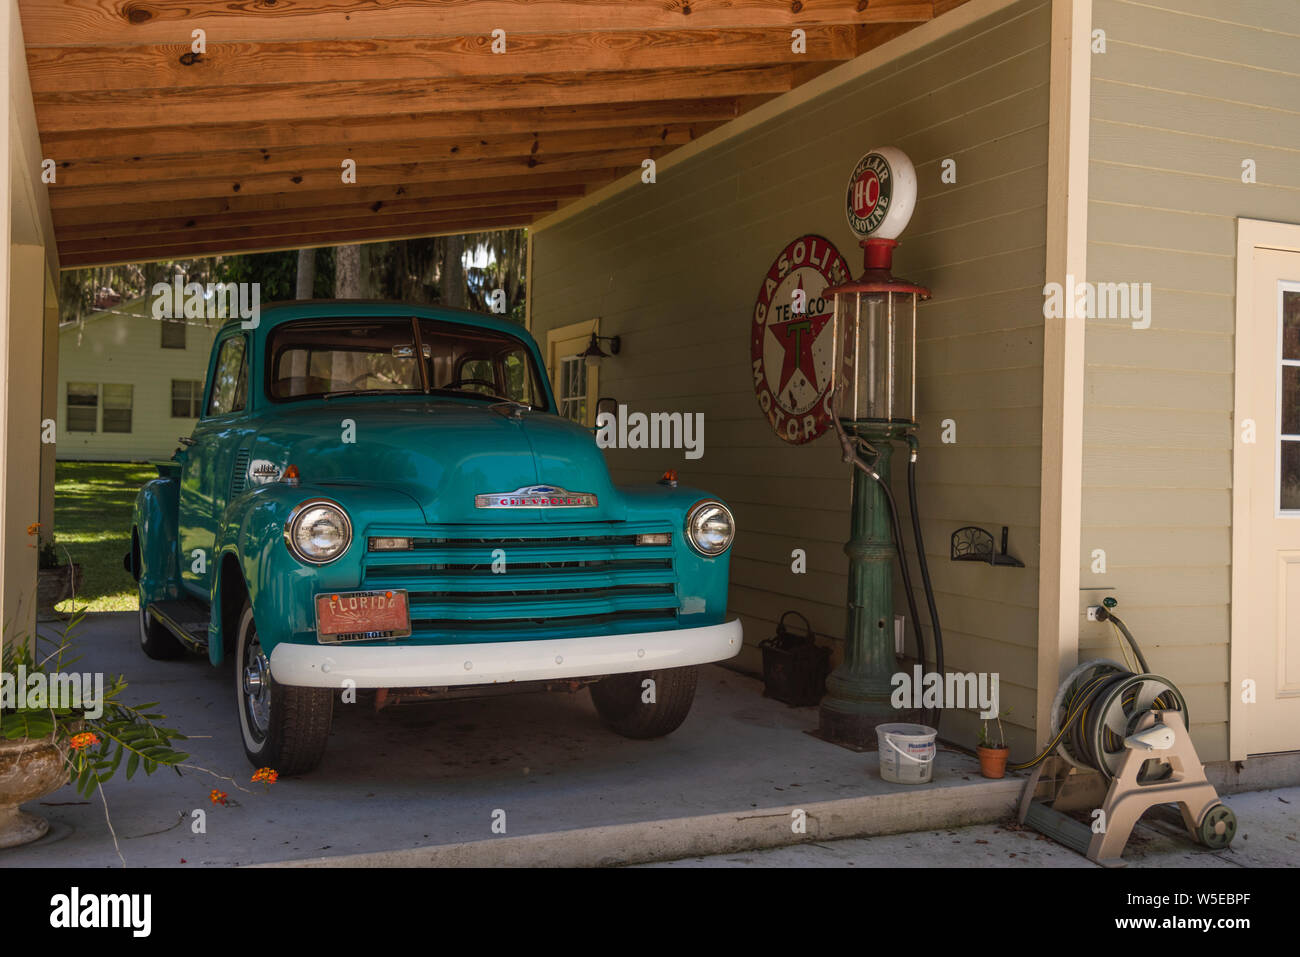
(347, 272)
(453, 272)
(306, 282)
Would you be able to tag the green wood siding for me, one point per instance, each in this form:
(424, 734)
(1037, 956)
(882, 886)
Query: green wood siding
(1186, 91)
(674, 268)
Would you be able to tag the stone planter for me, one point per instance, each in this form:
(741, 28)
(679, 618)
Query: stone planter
(29, 769)
(53, 585)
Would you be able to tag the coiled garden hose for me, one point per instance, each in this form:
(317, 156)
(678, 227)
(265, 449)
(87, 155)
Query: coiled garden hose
(1081, 732)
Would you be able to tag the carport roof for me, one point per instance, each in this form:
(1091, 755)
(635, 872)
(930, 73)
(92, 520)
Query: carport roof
(161, 152)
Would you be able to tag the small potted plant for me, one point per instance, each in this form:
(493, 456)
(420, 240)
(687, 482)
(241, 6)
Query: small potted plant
(46, 741)
(993, 749)
(56, 579)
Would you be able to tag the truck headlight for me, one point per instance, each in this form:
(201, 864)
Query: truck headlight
(318, 531)
(710, 528)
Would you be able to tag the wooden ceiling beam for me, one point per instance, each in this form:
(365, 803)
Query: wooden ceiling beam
(63, 111)
(174, 66)
(183, 191)
(119, 22)
(375, 212)
(321, 237)
(311, 132)
(147, 208)
(93, 171)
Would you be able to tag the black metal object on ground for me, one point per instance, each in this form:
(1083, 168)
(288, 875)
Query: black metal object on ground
(794, 666)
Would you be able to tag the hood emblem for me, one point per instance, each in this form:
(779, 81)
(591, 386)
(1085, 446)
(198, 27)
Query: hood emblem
(536, 496)
(263, 471)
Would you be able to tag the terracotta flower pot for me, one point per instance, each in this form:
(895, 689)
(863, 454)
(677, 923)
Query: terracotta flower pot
(53, 585)
(28, 769)
(993, 761)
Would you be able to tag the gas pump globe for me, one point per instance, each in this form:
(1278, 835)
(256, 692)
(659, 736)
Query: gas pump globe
(874, 405)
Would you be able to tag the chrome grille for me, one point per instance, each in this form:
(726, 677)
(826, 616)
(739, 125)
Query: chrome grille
(559, 579)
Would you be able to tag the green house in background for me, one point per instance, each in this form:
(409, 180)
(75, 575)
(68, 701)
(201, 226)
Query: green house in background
(129, 384)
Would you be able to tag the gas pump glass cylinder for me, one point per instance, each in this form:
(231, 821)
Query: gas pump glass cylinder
(875, 355)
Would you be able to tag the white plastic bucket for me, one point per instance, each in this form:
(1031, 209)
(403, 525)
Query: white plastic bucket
(906, 752)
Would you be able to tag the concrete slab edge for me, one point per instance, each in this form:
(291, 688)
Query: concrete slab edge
(732, 832)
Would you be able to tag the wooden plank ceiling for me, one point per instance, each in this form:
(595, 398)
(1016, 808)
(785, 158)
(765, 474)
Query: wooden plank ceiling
(161, 152)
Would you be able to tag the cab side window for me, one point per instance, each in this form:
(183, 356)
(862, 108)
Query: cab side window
(230, 381)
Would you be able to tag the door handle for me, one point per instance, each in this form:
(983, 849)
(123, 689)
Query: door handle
(187, 441)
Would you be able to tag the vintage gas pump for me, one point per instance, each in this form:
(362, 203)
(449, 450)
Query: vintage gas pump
(874, 403)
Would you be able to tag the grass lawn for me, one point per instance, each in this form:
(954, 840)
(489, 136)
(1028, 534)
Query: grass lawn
(92, 520)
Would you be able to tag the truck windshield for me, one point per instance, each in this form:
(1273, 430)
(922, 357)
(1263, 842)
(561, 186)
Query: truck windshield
(347, 356)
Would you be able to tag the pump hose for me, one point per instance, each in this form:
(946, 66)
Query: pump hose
(925, 568)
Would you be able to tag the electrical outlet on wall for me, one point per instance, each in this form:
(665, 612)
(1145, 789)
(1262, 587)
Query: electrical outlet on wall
(1092, 612)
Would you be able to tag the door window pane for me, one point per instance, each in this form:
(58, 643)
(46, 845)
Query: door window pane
(83, 406)
(1291, 400)
(573, 389)
(1290, 324)
(1290, 491)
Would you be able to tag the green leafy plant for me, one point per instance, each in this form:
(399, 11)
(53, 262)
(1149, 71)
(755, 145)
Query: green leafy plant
(93, 747)
(996, 741)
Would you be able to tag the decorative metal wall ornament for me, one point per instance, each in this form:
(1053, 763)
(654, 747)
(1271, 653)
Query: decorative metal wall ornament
(970, 543)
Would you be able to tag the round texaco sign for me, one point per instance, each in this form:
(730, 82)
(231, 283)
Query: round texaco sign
(791, 349)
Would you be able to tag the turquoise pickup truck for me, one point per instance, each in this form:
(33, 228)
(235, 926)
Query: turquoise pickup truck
(382, 496)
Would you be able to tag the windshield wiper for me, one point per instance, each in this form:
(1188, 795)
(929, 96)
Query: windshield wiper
(489, 396)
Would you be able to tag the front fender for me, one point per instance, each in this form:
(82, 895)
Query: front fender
(702, 580)
(280, 588)
(154, 519)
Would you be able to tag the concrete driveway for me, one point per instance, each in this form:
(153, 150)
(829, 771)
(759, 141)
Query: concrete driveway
(423, 784)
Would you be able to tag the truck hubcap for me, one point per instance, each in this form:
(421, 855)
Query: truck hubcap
(257, 688)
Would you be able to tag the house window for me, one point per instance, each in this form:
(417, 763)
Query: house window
(173, 334)
(573, 389)
(83, 406)
(117, 407)
(187, 396)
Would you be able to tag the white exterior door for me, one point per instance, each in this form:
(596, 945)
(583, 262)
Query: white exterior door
(1265, 687)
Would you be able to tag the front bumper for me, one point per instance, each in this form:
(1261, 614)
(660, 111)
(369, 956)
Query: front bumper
(435, 666)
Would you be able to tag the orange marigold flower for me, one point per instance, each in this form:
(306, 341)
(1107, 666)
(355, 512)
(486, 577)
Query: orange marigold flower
(34, 528)
(265, 776)
(83, 740)
(218, 797)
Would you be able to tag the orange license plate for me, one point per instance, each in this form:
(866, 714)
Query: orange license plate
(362, 616)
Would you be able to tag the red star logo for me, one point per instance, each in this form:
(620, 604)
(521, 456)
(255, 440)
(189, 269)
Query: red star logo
(797, 336)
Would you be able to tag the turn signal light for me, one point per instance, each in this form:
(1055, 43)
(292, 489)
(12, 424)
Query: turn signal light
(669, 478)
(290, 476)
(390, 544)
(654, 538)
